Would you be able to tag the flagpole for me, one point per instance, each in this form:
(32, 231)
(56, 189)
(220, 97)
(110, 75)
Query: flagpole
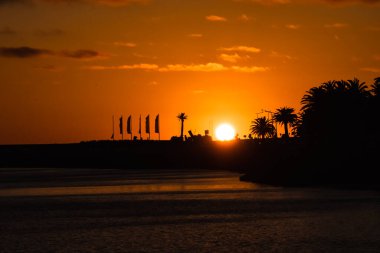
(113, 127)
(140, 126)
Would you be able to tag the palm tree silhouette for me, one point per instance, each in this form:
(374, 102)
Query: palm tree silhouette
(376, 87)
(334, 109)
(285, 116)
(182, 117)
(262, 127)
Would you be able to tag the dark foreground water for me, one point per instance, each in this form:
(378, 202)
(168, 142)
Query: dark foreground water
(68, 210)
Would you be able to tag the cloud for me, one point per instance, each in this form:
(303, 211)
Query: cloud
(125, 44)
(195, 35)
(293, 26)
(252, 69)
(371, 69)
(209, 67)
(244, 18)
(7, 31)
(376, 57)
(80, 54)
(276, 54)
(50, 68)
(241, 49)
(336, 25)
(233, 58)
(215, 18)
(29, 52)
(23, 52)
(140, 66)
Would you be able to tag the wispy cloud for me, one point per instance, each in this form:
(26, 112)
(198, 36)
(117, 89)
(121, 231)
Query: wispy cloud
(80, 54)
(23, 52)
(336, 25)
(293, 26)
(276, 54)
(244, 18)
(140, 66)
(50, 68)
(30, 52)
(247, 49)
(251, 69)
(207, 67)
(195, 35)
(233, 58)
(124, 44)
(215, 18)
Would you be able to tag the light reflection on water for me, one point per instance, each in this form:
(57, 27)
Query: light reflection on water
(90, 182)
(83, 210)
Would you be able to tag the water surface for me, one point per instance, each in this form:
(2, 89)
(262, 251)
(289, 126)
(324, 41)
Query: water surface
(86, 210)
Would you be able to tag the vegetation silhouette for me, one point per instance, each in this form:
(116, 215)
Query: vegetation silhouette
(336, 139)
(285, 116)
(262, 127)
(182, 117)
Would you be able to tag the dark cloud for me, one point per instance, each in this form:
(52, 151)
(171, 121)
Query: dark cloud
(80, 54)
(23, 52)
(29, 52)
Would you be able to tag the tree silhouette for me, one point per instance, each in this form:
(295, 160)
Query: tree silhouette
(335, 110)
(262, 127)
(285, 116)
(376, 87)
(182, 117)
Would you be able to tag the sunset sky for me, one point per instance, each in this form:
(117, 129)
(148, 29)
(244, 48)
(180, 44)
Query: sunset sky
(67, 66)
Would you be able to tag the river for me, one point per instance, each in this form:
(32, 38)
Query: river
(89, 210)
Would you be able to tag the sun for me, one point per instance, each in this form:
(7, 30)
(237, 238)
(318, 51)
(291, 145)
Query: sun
(225, 132)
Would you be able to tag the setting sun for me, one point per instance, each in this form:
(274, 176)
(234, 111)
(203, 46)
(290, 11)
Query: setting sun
(225, 132)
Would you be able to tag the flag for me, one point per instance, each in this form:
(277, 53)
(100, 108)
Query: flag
(121, 124)
(140, 125)
(129, 123)
(157, 124)
(147, 127)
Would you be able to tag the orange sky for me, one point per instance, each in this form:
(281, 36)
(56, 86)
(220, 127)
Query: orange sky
(68, 66)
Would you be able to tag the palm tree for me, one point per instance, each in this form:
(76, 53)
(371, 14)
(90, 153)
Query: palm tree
(376, 87)
(182, 117)
(285, 116)
(335, 109)
(262, 127)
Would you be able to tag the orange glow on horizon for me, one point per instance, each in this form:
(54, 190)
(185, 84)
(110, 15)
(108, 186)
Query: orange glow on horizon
(213, 60)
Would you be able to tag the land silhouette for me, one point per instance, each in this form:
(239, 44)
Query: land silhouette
(333, 140)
